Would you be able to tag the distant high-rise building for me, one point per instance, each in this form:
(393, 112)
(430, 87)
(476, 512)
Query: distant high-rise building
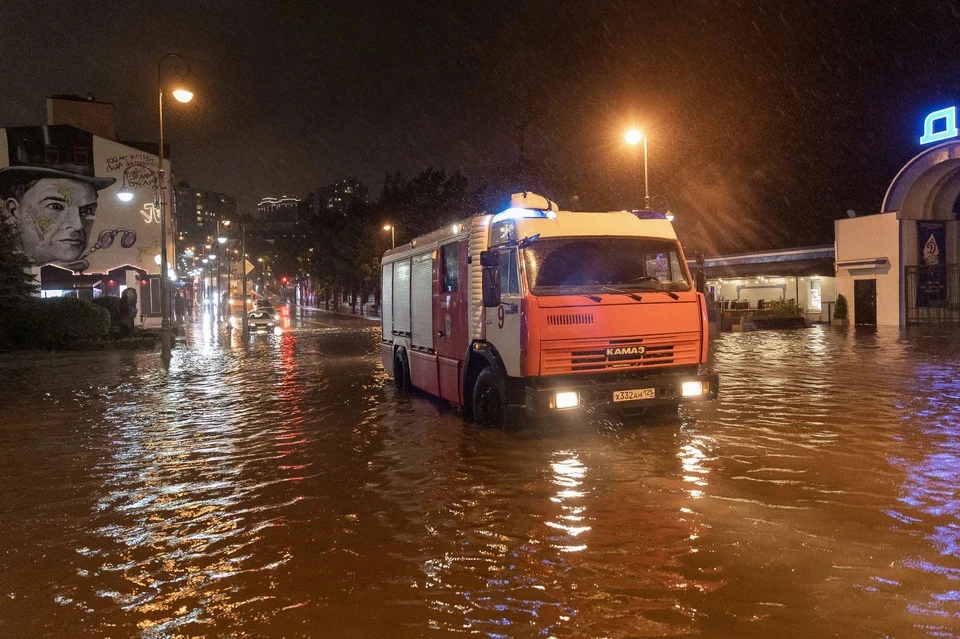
(285, 211)
(197, 212)
(337, 197)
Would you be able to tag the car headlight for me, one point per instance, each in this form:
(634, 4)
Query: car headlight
(567, 399)
(693, 389)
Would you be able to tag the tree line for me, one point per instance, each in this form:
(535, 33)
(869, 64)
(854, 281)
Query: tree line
(339, 251)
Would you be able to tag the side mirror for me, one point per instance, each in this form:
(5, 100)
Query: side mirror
(700, 277)
(490, 258)
(491, 284)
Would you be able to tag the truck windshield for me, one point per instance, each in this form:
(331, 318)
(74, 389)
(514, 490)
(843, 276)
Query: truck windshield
(564, 266)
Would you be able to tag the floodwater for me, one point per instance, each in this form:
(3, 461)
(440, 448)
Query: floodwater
(283, 488)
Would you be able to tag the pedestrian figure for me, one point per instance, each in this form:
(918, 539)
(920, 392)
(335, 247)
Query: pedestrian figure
(179, 306)
(128, 311)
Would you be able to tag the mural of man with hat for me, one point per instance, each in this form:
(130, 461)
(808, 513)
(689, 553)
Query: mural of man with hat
(49, 191)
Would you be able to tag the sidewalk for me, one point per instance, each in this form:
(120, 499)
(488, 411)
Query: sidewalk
(344, 311)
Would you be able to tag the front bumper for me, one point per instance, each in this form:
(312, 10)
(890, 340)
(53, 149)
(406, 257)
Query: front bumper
(596, 393)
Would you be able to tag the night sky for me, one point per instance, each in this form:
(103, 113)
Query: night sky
(766, 120)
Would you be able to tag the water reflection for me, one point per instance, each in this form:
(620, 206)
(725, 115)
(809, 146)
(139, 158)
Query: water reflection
(928, 506)
(568, 476)
(280, 486)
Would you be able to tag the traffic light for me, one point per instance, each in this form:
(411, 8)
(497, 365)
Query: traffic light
(283, 279)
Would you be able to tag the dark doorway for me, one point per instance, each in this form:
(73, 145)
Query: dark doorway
(865, 302)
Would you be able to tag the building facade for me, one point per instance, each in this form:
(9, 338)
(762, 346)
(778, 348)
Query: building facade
(900, 266)
(753, 280)
(197, 212)
(60, 188)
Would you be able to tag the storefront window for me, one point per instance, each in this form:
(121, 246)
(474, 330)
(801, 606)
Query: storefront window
(815, 295)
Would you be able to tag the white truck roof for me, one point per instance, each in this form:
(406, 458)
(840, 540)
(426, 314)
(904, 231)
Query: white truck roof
(578, 224)
(521, 223)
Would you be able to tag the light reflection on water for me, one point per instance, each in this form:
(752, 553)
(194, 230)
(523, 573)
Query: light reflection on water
(279, 486)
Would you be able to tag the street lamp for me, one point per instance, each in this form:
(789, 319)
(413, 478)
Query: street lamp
(182, 69)
(633, 137)
(392, 229)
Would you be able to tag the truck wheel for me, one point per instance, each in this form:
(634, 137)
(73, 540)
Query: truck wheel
(401, 371)
(489, 400)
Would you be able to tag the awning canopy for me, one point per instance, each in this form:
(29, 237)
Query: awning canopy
(793, 268)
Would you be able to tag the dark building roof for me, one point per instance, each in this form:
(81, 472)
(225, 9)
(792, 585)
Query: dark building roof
(794, 268)
(796, 262)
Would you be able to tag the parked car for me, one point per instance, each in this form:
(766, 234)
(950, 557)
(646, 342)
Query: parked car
(265, 305)
(260, 319)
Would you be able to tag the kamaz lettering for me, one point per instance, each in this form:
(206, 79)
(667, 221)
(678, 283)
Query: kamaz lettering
(626, 350)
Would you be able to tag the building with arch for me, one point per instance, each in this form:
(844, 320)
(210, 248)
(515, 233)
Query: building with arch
(900, 266)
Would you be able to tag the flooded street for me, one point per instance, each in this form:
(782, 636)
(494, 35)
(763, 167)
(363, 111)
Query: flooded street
(283, 488)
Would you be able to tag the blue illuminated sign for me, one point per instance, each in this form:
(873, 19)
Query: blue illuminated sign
(932, 132)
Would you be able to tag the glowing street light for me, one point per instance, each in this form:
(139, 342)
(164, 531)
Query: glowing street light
(182, 95)
(392, 229)
(125, 194)
(633, 137)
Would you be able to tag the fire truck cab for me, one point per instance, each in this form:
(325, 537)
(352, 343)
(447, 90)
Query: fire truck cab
(540, 311)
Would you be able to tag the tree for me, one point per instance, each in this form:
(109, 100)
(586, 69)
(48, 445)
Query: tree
(539, 176)
(15, 278)
(424, 203)
(840, 311)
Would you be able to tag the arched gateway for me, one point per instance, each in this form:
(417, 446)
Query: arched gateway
(901, 266)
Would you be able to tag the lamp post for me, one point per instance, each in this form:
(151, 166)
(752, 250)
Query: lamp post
(182, 95)
(205, 294)
(222, 239)
(633, 137)
(219, 278)
(223, 254)
(243, 270)
(392, 228)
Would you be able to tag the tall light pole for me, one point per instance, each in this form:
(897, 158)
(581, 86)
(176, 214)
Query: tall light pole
(243, 270)
(181, 95)
(205, 295)
(633, 137)
(223, 239)
(392, 228)
(220, 242)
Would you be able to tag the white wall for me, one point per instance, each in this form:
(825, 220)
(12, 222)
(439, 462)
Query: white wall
(867, 238)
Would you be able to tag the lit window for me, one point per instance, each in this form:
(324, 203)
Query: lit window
(815, 297)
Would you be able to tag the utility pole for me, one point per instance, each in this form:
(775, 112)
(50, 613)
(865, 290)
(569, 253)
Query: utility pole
(243, 278)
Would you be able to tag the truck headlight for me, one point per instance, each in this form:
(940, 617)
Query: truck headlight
(692, 389)
(565, 400)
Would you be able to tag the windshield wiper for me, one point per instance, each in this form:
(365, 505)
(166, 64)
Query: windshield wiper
(595, 298)
(670, 293)
(527, 241)
(617, 291)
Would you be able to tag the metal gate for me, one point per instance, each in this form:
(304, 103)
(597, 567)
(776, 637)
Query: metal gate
(933, 294)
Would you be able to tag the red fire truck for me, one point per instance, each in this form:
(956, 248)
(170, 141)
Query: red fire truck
(540, 311)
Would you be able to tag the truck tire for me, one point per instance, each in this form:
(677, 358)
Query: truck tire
(489, 400)
(401, 371)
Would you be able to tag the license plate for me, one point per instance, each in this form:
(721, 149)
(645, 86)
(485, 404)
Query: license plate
(631, 395)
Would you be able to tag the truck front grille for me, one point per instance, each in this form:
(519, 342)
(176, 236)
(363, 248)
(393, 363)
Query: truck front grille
(590, 355)
(568, 319)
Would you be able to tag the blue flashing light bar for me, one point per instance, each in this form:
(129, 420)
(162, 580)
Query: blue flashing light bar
(515, 213)
(647, 214)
